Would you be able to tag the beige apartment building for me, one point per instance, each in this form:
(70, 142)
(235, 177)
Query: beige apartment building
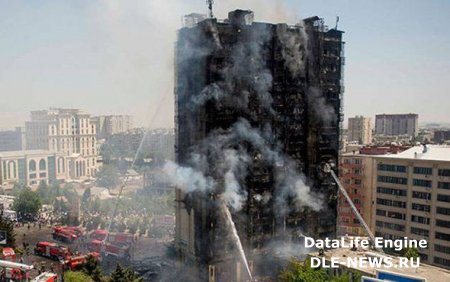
(67, 131)
(356, 173)
(360, 130)
(412, 199)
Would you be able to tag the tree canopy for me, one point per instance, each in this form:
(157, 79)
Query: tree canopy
(27, 204)
(108, 176)
(298, 271)
(76, 276)
(121, 274)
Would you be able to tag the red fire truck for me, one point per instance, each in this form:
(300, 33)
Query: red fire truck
(75, 229)
(115, 238)
(46, 277)
(63, 234)
(14, 271)
(9, 254)
(108, 249)
(75, 262)
(99, 234)
(51, 250)
(121, 238)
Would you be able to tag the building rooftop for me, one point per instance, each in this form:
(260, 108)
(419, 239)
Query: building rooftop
(9, 154)
(421, 152)
(430, 273)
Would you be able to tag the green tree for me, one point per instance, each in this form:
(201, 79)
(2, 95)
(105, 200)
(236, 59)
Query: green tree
(8, 226)
(27, 203)
(76, 276)
(298, 271)
(121, 274)
(86, 195)
(411, 253)
(108, 176)
(92, 268)
(17, 188)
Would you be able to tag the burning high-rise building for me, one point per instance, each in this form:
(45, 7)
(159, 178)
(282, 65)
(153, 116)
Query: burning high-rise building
(258, 114)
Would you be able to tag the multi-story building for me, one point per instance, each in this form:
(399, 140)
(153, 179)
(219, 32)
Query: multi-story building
(356, 174)
(441, 136)
(413, 199)
(397, 124)
(32, 167)
(67, 131)
(223, 69)
(12, 140)
(112, 124)
(359, 130)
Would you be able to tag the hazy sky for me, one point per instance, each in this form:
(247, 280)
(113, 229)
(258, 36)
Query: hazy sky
(114, 57)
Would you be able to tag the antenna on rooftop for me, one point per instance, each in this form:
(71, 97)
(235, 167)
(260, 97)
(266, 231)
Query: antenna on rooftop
(210, 7)
(337, 21)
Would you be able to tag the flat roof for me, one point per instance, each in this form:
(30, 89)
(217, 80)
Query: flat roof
(432, 153)
(9, 154)
(430, 273)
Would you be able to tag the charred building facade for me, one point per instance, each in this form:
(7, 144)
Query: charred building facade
(256, 103)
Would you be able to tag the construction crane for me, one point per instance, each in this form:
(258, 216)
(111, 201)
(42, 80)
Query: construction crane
(210, 7)
(355, 210)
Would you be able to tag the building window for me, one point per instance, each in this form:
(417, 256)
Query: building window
(442, 261)
(443, 198)
(392, 179)
(419, 207)
(442, 236)
(441, 210)
(422, 183)
(32, 165)
(381, 212)
(444, 172)
(391, 191)
(392, 226)
(12, 171)
(420, 231)
(442, 249)
(396, 215)
(393, 168)
(420, 219)
(443, 223)
(423, 170)
(42, 165)
(421, 195)
(391, 203)
(444, 185)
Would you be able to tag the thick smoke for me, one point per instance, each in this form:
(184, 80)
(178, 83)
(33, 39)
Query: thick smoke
(320, 107)
(294, 44)
(224, 156)
(188, 178)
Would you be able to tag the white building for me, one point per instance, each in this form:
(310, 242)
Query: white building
(67, 131)
(32, 167)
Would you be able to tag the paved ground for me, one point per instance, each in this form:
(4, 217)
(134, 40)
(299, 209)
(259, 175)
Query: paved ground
(145, 247)
(32, 236)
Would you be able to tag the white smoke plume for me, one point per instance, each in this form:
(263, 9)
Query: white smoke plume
(188, 179)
